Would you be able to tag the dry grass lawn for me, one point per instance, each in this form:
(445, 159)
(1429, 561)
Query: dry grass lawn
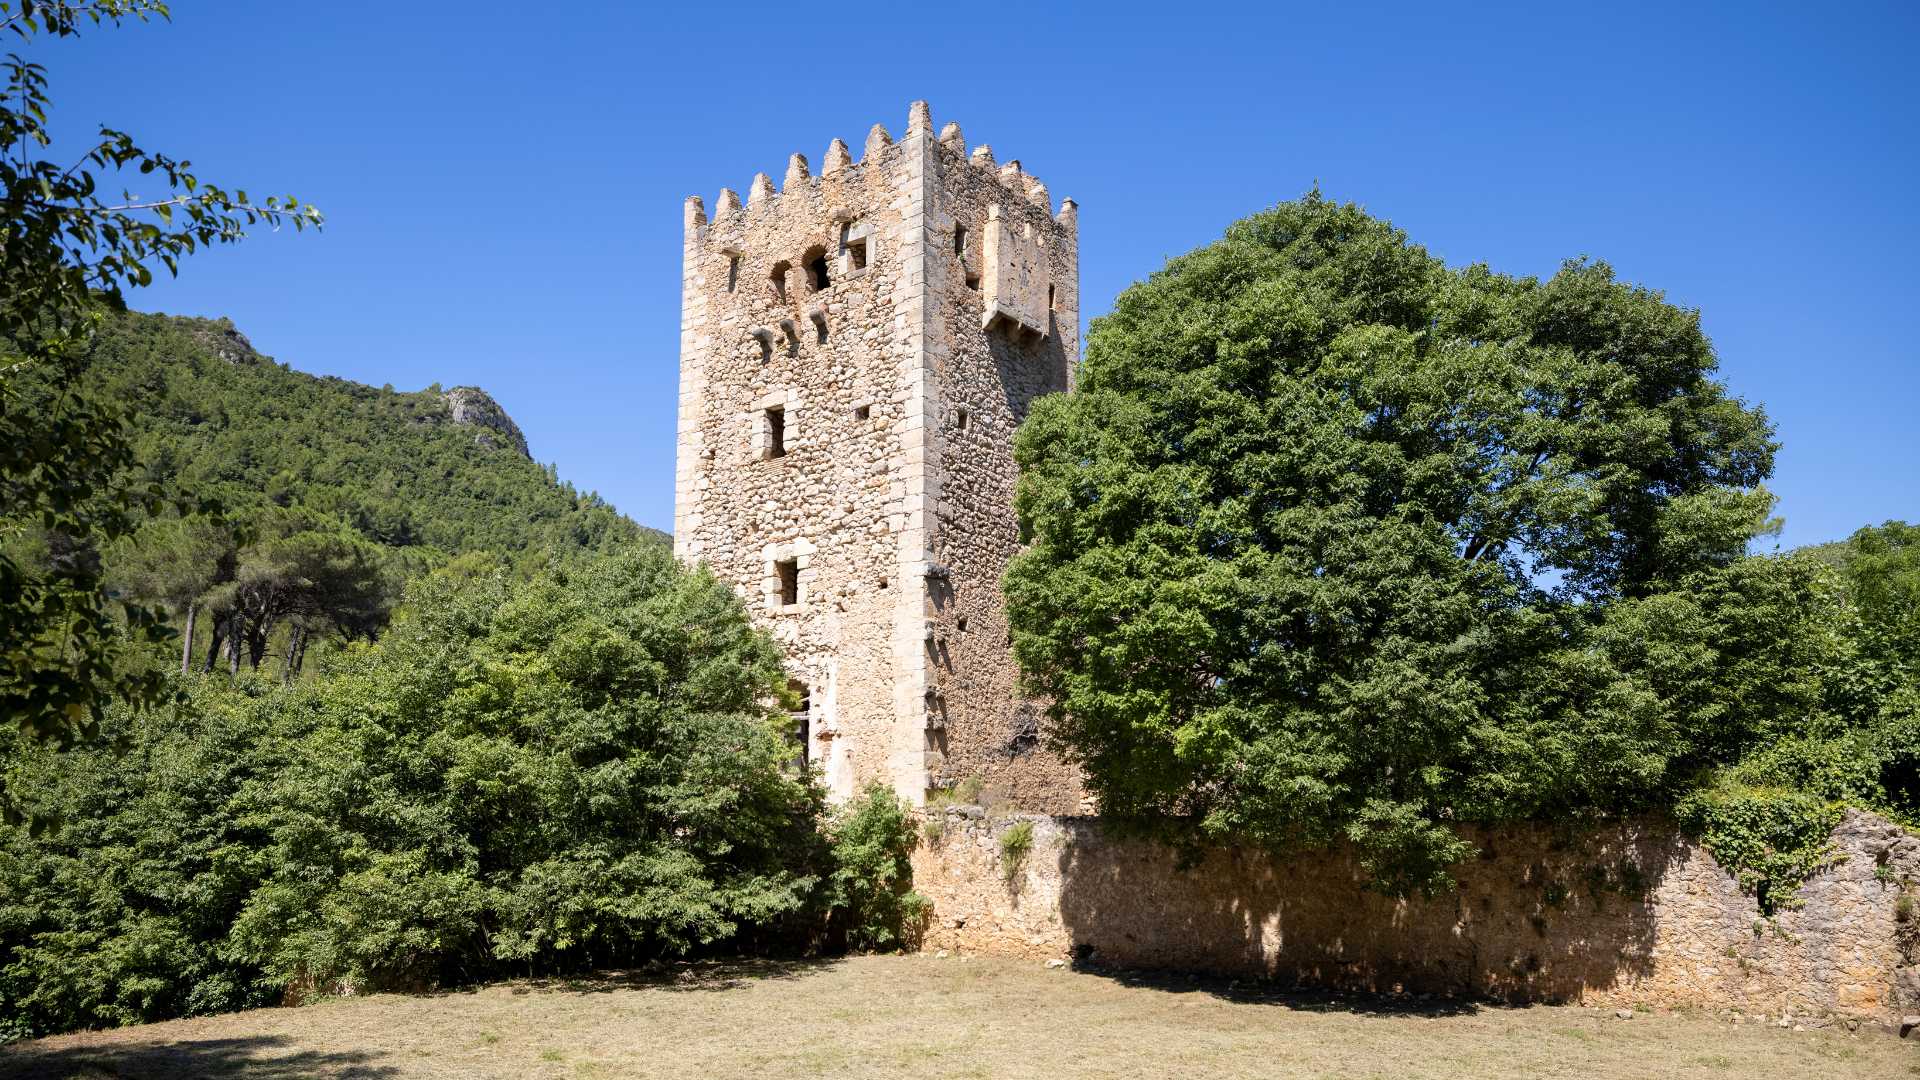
(921, 1017)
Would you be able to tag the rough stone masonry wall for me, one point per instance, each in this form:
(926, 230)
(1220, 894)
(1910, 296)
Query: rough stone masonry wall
(899, 377)
(838, 359)
(987, 380)
(1627, 914)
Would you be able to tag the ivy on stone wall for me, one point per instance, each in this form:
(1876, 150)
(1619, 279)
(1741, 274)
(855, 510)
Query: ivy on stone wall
(1770, 838)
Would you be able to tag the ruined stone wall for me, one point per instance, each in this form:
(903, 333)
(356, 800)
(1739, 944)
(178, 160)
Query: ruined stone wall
(1627, 914)
(882, 496)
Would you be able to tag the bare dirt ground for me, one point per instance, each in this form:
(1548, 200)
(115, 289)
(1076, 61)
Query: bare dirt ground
(924, 1017)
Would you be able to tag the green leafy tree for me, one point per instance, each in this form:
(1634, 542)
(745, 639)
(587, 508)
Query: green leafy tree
(585, 767)
(1327, 543)
(176, 562)
(67, 249)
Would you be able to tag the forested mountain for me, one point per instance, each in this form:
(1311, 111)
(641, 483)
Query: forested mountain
(330, 494)
(432, 469)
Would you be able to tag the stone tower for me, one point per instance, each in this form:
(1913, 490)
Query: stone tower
(856, 349)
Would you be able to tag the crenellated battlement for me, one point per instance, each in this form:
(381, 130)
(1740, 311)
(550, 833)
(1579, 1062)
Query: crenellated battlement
(880, 151)
(857, 347)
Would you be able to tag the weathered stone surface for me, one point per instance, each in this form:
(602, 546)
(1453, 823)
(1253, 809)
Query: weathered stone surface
(1621, 915)
(845, 446)
(225, 341)
(474, 407)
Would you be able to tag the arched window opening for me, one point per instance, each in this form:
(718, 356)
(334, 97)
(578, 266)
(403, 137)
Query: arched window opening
(815, 260)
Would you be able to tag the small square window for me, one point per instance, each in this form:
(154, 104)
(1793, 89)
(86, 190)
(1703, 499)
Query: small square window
(973, 282)
(862, 412)
(787, 575)
(857, 254)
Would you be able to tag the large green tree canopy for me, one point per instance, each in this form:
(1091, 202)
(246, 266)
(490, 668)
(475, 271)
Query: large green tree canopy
(1336, 541)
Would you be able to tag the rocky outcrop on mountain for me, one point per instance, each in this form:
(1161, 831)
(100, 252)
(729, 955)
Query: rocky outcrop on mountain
(474, 407)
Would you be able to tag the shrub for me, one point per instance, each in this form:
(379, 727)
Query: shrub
(870, 897)
(1015, 843)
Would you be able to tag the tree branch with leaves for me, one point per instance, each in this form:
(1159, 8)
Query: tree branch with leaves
(68, 252)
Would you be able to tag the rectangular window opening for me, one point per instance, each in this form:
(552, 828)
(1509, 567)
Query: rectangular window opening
(802, 717)
(733, 273)
(962, 419)
(787, 571)
(973, 282)
(861, 412)
(857, 254)
(959, 239)
(776, 432)
(820, 327)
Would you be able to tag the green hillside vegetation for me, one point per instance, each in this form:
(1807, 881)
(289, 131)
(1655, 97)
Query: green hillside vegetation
(214, 418)
(330, 494)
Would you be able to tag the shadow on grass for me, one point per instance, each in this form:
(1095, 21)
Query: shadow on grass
(678, 977)
(1265, 992)
(186, 1059)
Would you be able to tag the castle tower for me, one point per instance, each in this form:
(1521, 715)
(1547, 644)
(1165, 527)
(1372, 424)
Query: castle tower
(856, 350)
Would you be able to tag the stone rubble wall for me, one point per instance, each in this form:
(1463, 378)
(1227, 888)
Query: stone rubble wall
(987, 381)
(841, 303)
(1628, 914)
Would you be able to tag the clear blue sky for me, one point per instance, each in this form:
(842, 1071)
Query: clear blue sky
(503, 181)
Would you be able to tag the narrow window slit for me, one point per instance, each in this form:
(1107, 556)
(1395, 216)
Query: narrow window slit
(787, 574)
(802, 717)
(820, 327)
(777, 432)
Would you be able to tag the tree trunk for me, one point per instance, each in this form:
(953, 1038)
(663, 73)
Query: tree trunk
(294, 634)
(219, 639)
(186, 647)
(233, 652)
(257, 646)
